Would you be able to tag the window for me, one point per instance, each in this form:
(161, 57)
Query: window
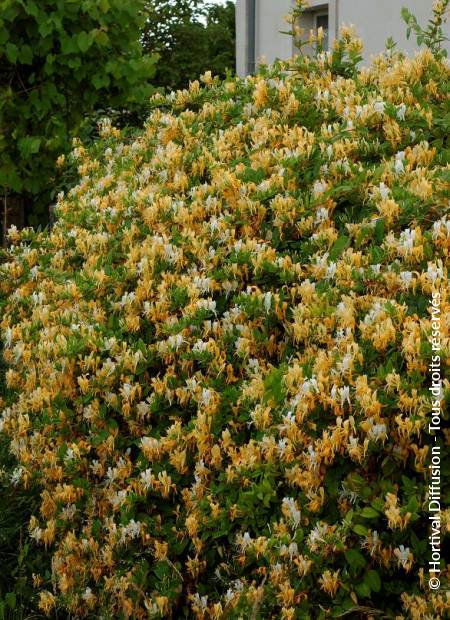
(322, 22)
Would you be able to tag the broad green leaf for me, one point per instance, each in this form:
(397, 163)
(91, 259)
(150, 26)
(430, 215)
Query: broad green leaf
(360, 530)
(29, 145)
(84, 41)
(363, 590)
(10, 599)
(338, 247)
(369, 513)
(11, 52)
(355, 559)
(373, 580)
(31, 8)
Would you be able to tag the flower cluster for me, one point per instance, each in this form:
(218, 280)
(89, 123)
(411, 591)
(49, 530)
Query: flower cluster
(218, 354)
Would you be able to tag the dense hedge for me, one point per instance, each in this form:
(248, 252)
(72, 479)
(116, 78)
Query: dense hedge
(219, 353)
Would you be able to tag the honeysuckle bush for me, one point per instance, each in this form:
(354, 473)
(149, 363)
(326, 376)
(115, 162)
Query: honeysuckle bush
(218, 355)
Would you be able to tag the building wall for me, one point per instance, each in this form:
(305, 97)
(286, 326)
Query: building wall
(270, 43)
(375, 21)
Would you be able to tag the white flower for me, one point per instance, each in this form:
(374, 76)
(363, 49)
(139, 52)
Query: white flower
(434, 272)
(321, 215)
(206, 397)
(379, 107)
(318, 188)
(317, 534)
(403, 555)
(8, 337)
(16, 475)
(344, 393)
(312, 457)
(70, 455)
(398, 165)
(253, 365)
(407, 239)
(282, 446)
(293, 510)
(87, 594)
(384, 191)
(68, 512)
(267, 301)
(119, 498)
(331, 270)
(175, 341)
(371, 543)
(200, 601)
(133, 528)
(406, 279)
(143, 408)
(147, 478)
(401, 111)
(246, 541)
(293, 550)
(200, 347)
(108, 343)
(377, 431)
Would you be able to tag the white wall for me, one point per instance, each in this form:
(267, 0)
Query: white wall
(270, 43)
(376, 20)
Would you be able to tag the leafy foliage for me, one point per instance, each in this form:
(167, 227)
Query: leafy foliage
(190, 38)
(60, 60)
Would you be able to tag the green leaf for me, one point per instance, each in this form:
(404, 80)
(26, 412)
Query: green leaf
(379, 230)
(338, 247)
(355, 559)
(11, 52)
(26, 55)
(369, 513)
(363, 590)
(413, 504)
(68, 45)
(162, 569)
(361, 530)
(84, 41)
(4, 36)
(46, 28)
(10, 600)
(373, 580)
(101, 38)
(100, 80)
(405, 14)
(31, 8)
(29, 145)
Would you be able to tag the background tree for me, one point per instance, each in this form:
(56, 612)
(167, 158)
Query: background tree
(58, 62)
(190, 37)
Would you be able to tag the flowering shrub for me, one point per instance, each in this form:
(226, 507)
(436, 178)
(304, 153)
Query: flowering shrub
(218, 355)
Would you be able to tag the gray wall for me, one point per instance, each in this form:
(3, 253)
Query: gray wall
(269, 42)
(375, 21)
